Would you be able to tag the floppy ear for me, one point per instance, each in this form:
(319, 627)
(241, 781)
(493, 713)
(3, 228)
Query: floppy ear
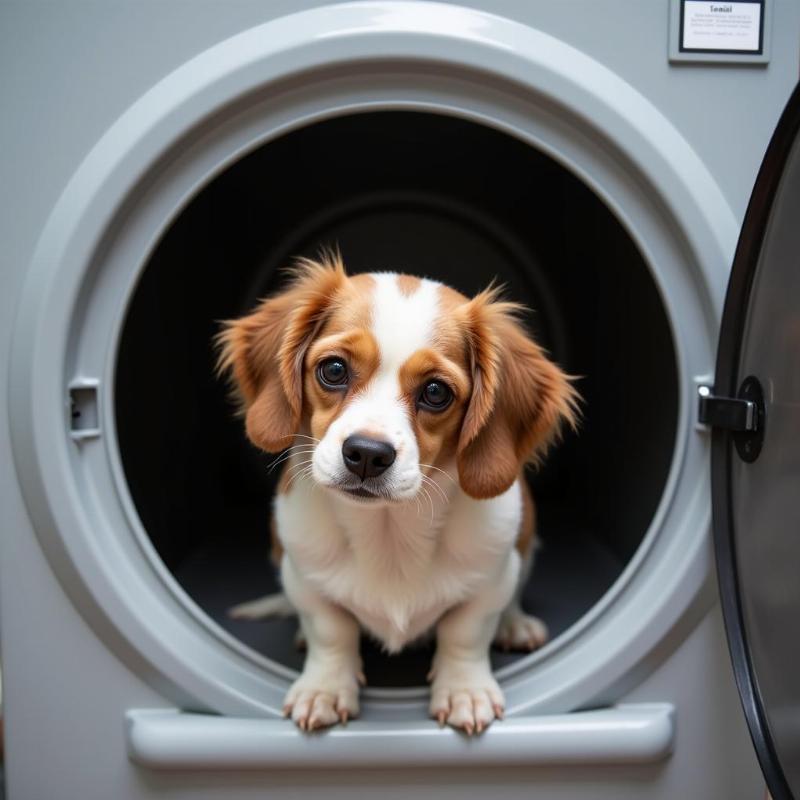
(265, 351)
(520, 399)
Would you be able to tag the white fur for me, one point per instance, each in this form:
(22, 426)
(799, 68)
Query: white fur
(436, 559)
(401, 325)
(393, 569)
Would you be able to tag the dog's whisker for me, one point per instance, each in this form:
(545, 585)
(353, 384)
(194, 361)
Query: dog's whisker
(304, 473)
(296, 467)
(303, 436)
(430, 500)
(309, 451)
(446, 474)
(433, 484)
(287, 455)
(277, 462)
(302, 470)
(274, 463)
(305, 447)
(291, 481)
(298, 448)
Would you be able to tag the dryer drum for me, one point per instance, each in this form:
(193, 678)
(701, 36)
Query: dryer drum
(427, 194)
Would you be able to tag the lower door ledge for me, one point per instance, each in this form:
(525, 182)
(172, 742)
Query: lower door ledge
(175, 740)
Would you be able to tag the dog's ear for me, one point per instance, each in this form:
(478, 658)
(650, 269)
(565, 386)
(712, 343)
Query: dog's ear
(265, 351)
(520, 399)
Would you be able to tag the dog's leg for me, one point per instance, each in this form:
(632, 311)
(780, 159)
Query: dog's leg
(516, 629)
(327, 690)
(464, 693)
(271, 605)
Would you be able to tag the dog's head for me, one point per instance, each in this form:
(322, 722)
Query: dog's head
(389, 378)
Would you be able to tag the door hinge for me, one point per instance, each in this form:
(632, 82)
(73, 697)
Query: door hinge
(731, 413)
(744, 416)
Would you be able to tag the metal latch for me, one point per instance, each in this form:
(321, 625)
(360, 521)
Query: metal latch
(744, 416)
(730, 413)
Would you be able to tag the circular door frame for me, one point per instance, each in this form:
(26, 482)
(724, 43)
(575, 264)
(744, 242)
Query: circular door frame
(238, 95)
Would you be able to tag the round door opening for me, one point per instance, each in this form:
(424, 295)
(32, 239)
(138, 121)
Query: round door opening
(430, 195)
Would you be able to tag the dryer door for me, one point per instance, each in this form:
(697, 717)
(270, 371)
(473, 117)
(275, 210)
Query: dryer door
(755, 412)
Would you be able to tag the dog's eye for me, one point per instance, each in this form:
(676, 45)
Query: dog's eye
(435, 396)
(332, 373)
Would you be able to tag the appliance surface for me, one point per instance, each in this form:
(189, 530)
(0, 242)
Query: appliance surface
(160, 165)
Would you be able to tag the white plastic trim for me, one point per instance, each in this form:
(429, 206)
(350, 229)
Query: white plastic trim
(626, 734)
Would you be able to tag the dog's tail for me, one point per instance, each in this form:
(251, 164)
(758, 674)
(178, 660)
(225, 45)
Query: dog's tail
(272, 605)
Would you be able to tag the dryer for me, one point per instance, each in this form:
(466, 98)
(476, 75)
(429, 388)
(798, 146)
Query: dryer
(162, 164)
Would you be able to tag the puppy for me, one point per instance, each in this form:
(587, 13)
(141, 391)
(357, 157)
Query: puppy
(409, 412)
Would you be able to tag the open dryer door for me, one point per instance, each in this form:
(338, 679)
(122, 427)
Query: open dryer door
(755, 412)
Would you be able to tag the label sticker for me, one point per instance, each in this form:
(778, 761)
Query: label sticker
(721, 27)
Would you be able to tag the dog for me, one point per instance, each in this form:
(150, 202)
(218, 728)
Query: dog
(405, 413)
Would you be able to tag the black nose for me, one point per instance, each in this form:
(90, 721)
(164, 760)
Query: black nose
(367, 457)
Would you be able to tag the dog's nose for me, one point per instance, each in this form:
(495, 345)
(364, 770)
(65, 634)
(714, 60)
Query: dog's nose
(367, 457)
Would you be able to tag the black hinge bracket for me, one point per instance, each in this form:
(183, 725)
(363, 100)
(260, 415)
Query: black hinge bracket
(730, 413)
(743, 416)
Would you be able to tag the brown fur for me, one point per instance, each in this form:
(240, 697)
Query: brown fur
(265, 351)
(408, 284)
(436, 432)
(359, 348)
(276, 546)
(519, 399)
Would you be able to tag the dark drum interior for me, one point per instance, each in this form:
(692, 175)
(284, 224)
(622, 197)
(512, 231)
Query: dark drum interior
(426, 194)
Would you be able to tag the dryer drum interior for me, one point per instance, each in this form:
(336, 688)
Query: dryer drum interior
(427, 194)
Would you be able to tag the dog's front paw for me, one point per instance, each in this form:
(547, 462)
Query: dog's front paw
(320, 702)
(520, 631)
(467, 699)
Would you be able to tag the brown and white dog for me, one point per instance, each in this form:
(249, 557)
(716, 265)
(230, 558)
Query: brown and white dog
(411, 412)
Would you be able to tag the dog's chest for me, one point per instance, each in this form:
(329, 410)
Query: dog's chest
(395, 571)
